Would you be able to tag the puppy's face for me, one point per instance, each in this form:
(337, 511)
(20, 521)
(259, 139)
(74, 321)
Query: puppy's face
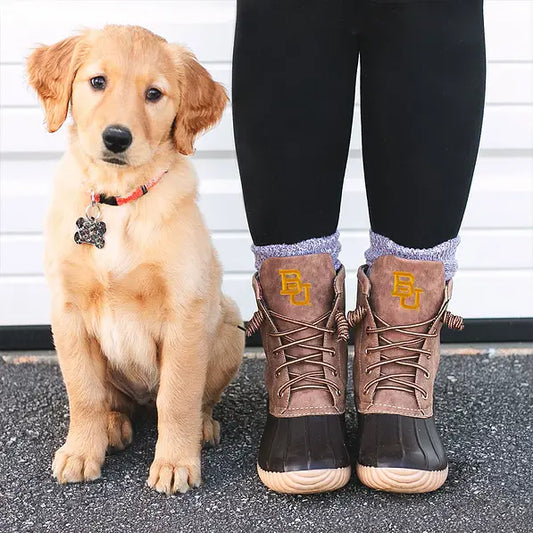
(130, 93)
(125, 97)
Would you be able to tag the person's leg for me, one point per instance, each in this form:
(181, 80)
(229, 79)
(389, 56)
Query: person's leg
(294, 67)
(294, 71)
(422, 95)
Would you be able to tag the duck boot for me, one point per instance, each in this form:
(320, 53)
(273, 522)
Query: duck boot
(401, 306)
(304, 331)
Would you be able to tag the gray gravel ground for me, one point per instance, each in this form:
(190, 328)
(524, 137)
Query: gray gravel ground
(483, 411)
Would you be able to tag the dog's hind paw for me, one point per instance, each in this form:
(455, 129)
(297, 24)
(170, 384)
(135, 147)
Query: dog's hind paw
(119, 430)
(70, 467)
(211, 431)
(169, 477)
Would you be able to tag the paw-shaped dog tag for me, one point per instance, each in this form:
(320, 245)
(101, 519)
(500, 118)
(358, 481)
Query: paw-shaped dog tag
(90, 231)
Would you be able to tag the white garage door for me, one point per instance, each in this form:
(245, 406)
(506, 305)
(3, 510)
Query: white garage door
(496, 255)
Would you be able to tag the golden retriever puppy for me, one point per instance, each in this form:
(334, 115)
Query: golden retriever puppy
(137, 310)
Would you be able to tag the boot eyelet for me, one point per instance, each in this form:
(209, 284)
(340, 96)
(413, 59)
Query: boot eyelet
(366, 351)
(280, 394)
(368, 371)
(427, 376)
(334, 372)
(338, 392)
(278, 374)
(425, 396)
(367, 330)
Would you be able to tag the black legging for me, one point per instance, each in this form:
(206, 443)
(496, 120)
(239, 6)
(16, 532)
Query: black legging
(422, 96)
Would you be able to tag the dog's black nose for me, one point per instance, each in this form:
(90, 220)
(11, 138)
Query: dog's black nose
(117, 138)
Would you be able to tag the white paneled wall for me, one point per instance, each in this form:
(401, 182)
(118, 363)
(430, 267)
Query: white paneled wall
(496, 255)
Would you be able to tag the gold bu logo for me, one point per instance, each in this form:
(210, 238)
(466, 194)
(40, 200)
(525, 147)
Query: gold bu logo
(404, 288)
(291, 285)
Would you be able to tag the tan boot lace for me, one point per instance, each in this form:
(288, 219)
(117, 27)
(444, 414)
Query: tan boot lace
(412, 343)
(316, 379)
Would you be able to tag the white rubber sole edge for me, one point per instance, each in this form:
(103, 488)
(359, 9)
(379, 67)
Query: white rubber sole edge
(306, 481)
(403, 480)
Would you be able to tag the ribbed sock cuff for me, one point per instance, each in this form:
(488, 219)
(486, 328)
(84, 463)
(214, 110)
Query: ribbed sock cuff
(319, 245)
(445, 252)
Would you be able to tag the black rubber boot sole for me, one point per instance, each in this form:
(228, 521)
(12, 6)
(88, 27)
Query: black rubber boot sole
(400, 453)
(304, 455)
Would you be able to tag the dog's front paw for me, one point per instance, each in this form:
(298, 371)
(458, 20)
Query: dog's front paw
(174, 476)
(70, 466)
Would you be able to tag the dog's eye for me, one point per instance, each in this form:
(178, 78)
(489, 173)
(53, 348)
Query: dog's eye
(98, 83)
(153, 94)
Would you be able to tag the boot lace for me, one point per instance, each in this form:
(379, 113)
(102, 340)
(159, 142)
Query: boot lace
(311, 379)
(412, 344)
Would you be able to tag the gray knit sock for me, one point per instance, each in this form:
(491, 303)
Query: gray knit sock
(445, 252)
(320, 245)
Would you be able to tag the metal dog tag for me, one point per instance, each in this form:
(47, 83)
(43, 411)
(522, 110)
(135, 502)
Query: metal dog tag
(91, 230)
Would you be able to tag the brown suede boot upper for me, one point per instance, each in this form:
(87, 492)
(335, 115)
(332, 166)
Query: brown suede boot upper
(399, 292)
(305, 289)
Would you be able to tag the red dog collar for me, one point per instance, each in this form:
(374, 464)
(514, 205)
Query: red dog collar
(102, 198)
(91, 230)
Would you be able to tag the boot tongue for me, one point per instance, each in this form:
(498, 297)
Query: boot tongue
(403, 292)
(406, 291)
(302, 288)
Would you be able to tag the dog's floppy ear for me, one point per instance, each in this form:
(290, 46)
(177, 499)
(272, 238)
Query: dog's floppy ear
(51, 71)
(202, 100)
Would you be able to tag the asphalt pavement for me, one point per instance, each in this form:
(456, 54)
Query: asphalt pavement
(483, 410)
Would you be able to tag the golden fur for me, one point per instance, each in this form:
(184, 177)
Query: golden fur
(143, 318)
